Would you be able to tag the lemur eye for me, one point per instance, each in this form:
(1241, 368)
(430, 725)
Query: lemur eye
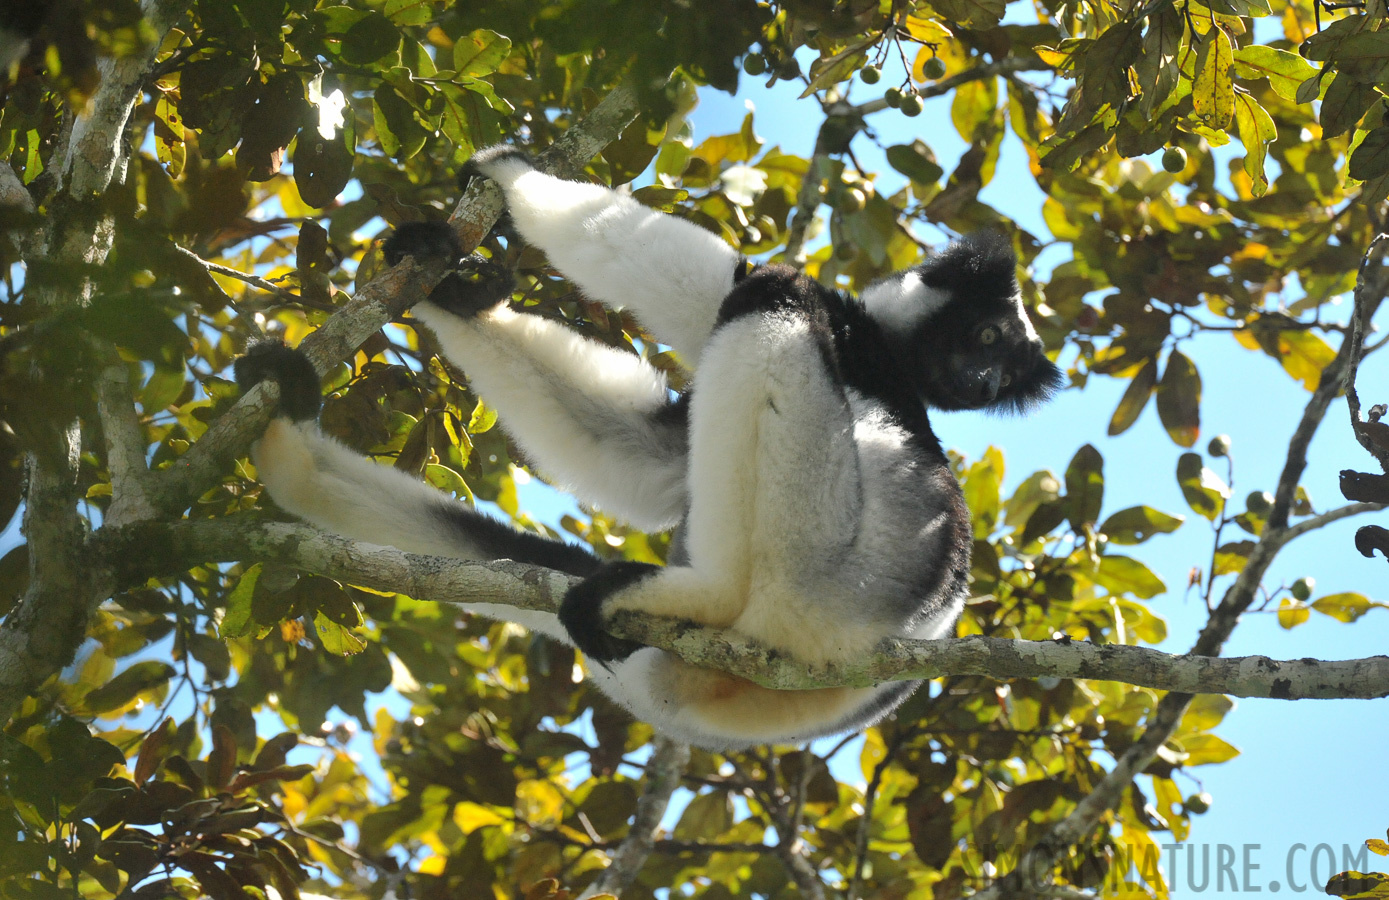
(988, 335)
(1005, 380)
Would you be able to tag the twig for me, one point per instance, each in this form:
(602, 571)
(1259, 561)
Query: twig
(1369, 293)
(663, 772)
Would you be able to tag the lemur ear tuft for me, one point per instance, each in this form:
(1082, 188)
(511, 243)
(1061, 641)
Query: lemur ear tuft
(422, 240)
(301, 393)
(978, 264)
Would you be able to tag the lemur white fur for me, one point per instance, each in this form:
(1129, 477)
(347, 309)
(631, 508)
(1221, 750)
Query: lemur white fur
(819, 516)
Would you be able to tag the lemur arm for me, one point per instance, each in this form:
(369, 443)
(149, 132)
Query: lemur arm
(598, 420)
(670, 272)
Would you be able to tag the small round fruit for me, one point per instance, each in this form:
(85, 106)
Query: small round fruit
(870, 74)
(1173, 160)
(1219, 446)
(1198, 803)
(845, 252)
(1302, 589)
(852, 200)
(1088, 319)
(754, 64)
(911, 105)
(893, 97)
(1259, 502)
(789, 69)
(933, 68)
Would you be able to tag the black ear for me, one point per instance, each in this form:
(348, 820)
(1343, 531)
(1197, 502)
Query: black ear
(301, 394)
(978, 264)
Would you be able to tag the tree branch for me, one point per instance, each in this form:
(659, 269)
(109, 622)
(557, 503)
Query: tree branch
(124, 438)
(138, 551)
(95, 152)
(663, 772)
(1370, 288)
(387, 296)
(41, 634)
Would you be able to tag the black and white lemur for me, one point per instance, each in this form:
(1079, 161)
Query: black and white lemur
(816, 510)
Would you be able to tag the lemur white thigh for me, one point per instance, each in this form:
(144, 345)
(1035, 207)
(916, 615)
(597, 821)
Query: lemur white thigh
(670, 272)
(766, 536)
(322, 482)
(584, 413)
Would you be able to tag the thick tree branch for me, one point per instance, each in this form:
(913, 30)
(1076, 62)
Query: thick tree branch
(663, 772)
(40, 635)
(95, 152)
(135, 552)
(387, 296)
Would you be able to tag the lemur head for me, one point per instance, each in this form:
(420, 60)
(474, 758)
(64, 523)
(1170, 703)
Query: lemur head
(957, 324)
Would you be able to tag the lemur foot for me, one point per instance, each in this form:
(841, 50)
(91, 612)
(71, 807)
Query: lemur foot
(581, 613)
(477, 283)
(301, 393)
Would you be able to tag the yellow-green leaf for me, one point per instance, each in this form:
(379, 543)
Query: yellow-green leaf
(1344, 607)
(336, 638)
(1256, 132)
(1285, 71)
(1135, 397)
(1291, 613)
(1213, 95)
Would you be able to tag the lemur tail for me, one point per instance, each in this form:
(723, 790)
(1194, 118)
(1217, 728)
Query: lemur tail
(387, 507)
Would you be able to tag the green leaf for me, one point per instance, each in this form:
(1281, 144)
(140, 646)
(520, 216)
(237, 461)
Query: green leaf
(1084, 487)
(117, 692)
(1345, 103)
(1371, 158)
(1138, 523)
(705, 817)
(1285, 71)
(1156, 69)
(1123, 576)
(1364, 56)
(916, 161)
(1105, 73)
(1205, 493)
(977, 14)
(370, 39)
(238, 621)
(1256, 132)
(337, 638)
(1135, 398)
(480, 53)
(1179, 400)
(1213, 94)
(409, 12)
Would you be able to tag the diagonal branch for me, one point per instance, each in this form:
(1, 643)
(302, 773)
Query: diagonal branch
(666, 766)
(387, 296)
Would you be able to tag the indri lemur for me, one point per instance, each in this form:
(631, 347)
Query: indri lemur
(816, 511)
